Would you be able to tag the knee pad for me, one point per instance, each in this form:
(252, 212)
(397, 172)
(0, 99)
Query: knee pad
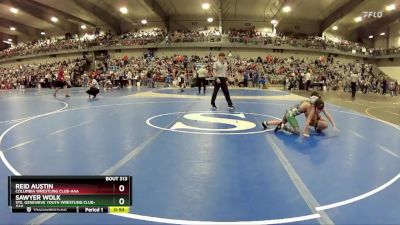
(293, 130)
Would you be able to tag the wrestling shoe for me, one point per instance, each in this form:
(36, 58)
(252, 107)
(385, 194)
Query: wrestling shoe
(278, 127)
(264, 124)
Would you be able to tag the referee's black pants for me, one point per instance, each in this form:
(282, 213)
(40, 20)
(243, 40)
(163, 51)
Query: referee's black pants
(225, 90)
(93, 91)
(353, 89)
(201, 82)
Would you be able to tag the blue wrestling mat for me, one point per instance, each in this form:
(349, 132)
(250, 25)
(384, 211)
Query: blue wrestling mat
(191, 165)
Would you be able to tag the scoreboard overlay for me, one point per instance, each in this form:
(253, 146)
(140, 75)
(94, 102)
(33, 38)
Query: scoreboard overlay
(75, 194)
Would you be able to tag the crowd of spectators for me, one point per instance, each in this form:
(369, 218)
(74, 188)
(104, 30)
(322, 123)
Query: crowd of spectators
(97, 38)
(157, 36)
(41, 74)
(252, 36)
(141, 38)
(324, 73)
(381, 51)
(243, 72)
(56, 44)
(193, 36)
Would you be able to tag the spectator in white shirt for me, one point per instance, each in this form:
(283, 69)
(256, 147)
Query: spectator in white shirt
(201, 78)
(94, 88)
(308, 80)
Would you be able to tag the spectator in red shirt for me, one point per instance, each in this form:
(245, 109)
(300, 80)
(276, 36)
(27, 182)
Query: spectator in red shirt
(60, 82)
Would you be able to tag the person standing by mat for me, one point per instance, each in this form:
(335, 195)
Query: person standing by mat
(60, 82)
(353, 79)
(220, 68)
(94, 88)
(181, 80)
(201, 78)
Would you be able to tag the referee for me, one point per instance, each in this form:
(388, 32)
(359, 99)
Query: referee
(353, 79)
(220, 67)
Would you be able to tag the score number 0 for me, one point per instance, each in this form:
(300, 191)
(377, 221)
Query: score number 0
(121, 188)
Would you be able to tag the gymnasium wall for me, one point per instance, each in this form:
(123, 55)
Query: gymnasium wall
(388, 66)
(388, 62)
(391, 71)
(380, 42)
(394, 35)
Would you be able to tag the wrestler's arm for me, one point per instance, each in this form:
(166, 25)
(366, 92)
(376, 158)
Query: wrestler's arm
(330, 118)
(309, 118)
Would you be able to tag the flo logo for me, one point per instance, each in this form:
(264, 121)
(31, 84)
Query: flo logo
(218, 123)
(372, 14)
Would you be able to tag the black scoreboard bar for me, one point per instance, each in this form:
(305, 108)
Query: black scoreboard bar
(70, 194)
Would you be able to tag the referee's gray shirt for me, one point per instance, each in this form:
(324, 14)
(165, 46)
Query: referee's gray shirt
(220, 69)
(354, 77)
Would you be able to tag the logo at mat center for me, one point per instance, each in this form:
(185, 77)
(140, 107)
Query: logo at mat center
(206, 122)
